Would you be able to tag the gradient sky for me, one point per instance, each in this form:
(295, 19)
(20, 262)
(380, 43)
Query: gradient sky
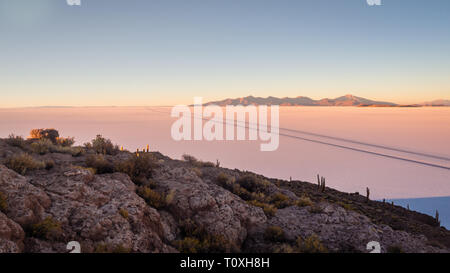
(165, 52)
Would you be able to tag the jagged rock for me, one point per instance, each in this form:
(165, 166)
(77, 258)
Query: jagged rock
(218, 210)
(11, 235)
(343, 230)
(26, 202)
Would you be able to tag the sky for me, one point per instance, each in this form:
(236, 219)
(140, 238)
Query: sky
(165, 52)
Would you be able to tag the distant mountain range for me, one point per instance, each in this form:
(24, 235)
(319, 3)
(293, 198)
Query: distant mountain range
(347, 100)
(437, 103)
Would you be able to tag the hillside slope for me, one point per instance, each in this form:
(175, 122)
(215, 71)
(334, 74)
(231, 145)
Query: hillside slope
(119, 201)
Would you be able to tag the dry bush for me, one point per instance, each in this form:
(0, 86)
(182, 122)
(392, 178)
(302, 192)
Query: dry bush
(16, 141)
(23, 162)
(311, 244)
(274, 234)
(99, 164)
(103, 146)
(138, 167)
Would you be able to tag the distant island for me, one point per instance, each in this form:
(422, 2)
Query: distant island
(347, 100)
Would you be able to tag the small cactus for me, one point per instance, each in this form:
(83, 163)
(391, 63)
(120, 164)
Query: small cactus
(367, 194)
(217, 163)
(318, 182)
(437, 218)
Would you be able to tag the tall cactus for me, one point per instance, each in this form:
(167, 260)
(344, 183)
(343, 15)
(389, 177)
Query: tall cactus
(437, 218)
(367, 194)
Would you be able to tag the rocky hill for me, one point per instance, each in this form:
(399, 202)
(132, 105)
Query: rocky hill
(111, 200)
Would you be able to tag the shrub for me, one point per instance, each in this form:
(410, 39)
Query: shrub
(124, 213)
(280, 200)
(49, 164)
(304, 201)
(312, 244)
(198, 240)
(197, 171)
(46, 229)
(3, 202)
(42, 146)
(316, 209)
(189, 158)
(222, 178)
(274, 234)
(16, 141)
(50, 134)
(107, 248)
(139, 168)
(23, 162)
(283, 248)
(268, 209)
(153, 198)
(252, 183)
(65, 141)
(103, 146)
(99, 164)
(188, 245)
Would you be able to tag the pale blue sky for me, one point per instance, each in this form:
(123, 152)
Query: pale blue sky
(145, 52)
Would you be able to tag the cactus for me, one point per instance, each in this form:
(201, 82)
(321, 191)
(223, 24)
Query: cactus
(217, 163)
(384, 201)
(318, 182)
(407, 206)
(323, 184)
(367, 194)
(437, 218)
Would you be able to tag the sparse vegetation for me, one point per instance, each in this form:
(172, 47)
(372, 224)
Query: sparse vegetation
(23, 162)
(196, 239)
(304, 201)
(124, 213)
(104, 146)
(99, 164)
(311, 244)
(139, 168)
(274, 234)
(16, 141)
(153, 198)
(268, 209)
(46, 229)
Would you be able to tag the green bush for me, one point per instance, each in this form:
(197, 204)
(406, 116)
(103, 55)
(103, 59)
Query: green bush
(138, 167)
(274, 234)
(16, 141)
(23, 162)
(46, 229)
(99, 164)
(103, 146)
(3, 202)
